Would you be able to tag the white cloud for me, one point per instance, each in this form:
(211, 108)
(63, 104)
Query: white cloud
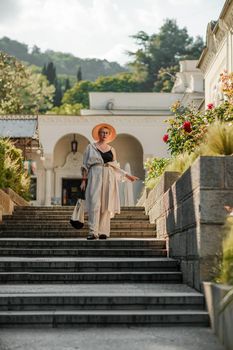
(99, 28)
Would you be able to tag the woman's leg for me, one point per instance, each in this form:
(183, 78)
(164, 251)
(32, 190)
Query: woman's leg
(93, 220)
(104, 223)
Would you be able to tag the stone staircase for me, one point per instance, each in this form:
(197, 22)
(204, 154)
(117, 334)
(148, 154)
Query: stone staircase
(51, 275)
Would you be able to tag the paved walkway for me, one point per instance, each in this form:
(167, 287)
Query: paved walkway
(154, 338)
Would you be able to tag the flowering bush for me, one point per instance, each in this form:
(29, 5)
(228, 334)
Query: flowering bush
(154, 168)
(189, 126)
(227, 85)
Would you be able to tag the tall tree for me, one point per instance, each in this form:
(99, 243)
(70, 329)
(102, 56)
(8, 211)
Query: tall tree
(21, 89)
(161, 50)
(79, 74)
(67, 84)
(58, 94)
(50, 72)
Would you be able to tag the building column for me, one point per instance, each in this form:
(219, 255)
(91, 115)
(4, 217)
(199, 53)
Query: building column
(48, 164)
(48, 186)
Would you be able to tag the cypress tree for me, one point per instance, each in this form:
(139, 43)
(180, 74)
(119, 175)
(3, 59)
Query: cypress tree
(58, 94)
(67, 84)
(79, 74)
(51, 73)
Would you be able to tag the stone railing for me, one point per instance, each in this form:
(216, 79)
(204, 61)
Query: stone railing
(190, 215)
(16, 198)
(8, 199)
(6, 204)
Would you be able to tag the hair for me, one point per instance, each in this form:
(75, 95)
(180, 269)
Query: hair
(104, 127)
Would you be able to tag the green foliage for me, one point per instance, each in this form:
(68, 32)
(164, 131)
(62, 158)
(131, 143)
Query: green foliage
(58, 94)
(182, 162)
(165, 79)
(182, 138)
(12, 173)
(218, 140)
(65, 63)
(154, 169)
(227, 259)
(49, 71)
(67, 109)
(35, 93)
(79, 94)
(162, 50)
(79, 74)
(12, 74)
(119, 83)
(22, 90)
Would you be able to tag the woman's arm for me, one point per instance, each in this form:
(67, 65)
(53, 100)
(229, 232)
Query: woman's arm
(128, 176)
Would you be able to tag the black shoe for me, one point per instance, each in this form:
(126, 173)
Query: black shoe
(91, 237)
(102, 236)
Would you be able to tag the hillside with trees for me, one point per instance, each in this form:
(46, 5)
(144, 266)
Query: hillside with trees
(66, 63)
(45, 83)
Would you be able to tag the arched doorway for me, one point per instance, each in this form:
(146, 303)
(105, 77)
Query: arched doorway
(67, 168)
(130, 156)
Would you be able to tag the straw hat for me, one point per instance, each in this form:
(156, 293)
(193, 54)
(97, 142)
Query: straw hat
(95, 131)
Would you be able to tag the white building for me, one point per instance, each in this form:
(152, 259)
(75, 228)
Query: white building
(218, 53)
(139, 119)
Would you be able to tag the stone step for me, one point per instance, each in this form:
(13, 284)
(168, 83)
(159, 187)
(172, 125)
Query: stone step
(69, 233)
(103, 318)
(83, 252)
(41, 301)
(80, 243)
(38, 225)
(91, 277)
(62, 217)
(68, 208)
(17, 264)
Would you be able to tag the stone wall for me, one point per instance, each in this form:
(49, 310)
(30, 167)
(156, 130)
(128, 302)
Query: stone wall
(190, 215)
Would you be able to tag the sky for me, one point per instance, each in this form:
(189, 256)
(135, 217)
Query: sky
(99, 28)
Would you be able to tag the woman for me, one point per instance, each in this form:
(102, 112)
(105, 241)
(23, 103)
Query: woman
(103, 173)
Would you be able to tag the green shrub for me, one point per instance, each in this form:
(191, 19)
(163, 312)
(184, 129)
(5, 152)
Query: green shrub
(226, 275)
(154, 168)
(12, 172)
(218, 140)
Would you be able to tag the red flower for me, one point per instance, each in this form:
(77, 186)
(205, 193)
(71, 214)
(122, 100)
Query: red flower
(165, 138)
(210, 106)
(187, 126)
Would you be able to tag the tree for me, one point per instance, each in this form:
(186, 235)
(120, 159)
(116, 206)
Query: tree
(67, 84)
(165, 79)
(12, 74)
(58, 94)
(162, 50)
(67, 109)
(21, 89)
(79, 93)
(79, 74)
(119, 83)
(50, 72)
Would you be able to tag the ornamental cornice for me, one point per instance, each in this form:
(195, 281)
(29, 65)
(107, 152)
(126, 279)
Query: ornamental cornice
(215, 37)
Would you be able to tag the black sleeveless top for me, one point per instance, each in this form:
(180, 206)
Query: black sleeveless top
(107, 156)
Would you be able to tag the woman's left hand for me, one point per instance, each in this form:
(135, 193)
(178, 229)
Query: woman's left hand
(132, 178)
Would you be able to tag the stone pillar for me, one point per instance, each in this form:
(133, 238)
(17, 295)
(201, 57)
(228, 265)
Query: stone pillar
(48, 164)
(48, 184)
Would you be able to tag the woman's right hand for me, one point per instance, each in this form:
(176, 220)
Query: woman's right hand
(83, 185)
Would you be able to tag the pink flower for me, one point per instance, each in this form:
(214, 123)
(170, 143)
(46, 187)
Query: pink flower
(187, 126)
(165, 138)
(210, 106)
